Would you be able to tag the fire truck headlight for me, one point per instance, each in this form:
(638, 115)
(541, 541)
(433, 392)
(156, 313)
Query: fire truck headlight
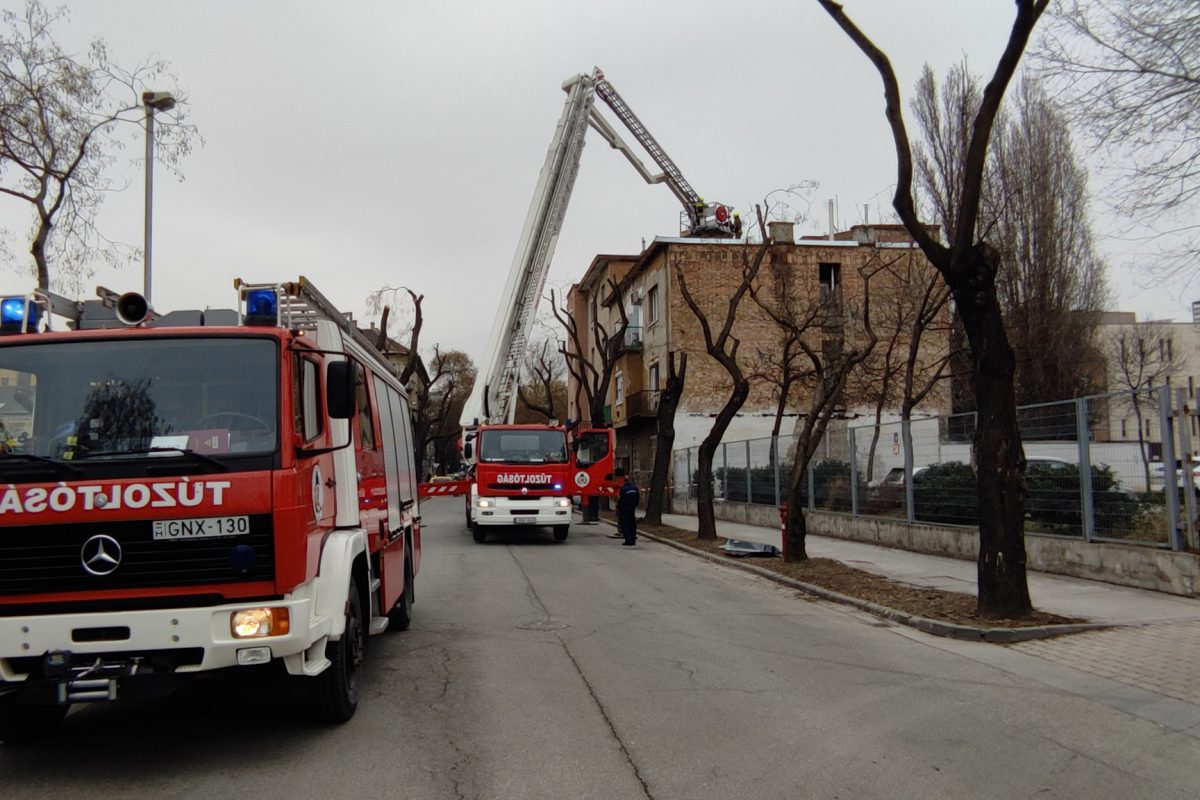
(254, 623)
(483, 502)
(563, 502)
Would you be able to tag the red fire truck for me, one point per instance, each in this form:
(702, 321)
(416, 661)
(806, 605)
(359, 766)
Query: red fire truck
(194, 492)
(527, 475)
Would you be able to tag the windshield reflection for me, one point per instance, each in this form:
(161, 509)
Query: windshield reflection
(72, 401)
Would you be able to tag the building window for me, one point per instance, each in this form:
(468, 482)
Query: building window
(1170, 349)
(652, 305)
(1191, 386)
(620, 388)
(1148, 427)
(653, 382)
(1123, 434)
(831, 281)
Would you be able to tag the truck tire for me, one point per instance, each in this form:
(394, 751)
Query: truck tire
(478, 533)
(335, 691)
(560, 532)
(400, 617)
(28, 723)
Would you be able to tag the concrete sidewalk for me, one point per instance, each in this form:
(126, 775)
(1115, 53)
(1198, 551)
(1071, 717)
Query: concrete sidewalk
(1097, 602)
(1146, 664)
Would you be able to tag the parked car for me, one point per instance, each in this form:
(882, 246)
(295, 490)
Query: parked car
(1158, 476)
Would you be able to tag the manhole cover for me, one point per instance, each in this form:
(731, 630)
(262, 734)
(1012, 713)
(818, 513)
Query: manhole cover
(542, 625)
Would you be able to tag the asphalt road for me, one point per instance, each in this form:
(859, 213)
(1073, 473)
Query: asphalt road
(589, 670)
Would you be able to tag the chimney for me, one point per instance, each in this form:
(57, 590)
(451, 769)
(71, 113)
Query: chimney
(782, 232)
(831, 220)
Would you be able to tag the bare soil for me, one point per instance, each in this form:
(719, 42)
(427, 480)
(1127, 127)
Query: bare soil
(938, 604)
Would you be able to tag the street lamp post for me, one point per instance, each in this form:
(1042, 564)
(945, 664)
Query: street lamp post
(153, 101)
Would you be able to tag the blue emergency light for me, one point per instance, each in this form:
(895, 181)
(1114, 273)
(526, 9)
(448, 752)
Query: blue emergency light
(19, 315)
(262, 307)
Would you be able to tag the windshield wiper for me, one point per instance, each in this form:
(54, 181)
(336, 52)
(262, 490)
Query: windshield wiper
(141, 451)
(56, 464)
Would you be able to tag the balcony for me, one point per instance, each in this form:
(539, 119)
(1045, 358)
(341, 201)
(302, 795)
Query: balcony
(630, 341)
(641, 404)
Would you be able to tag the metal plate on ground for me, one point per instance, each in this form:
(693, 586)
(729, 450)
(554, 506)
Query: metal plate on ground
(737, 547)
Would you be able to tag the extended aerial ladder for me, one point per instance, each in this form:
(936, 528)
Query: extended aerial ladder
(494, 397)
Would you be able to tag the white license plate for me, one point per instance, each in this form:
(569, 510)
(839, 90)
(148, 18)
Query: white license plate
(524, 520)
(201, 527)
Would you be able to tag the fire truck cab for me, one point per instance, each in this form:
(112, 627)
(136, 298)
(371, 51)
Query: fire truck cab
(194, 492)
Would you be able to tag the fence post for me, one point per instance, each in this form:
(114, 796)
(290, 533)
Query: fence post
(775, 464)
(749, 486)
(690, 491)
(906, 439)
(1083, 435)
(853, 473)
(724, 470)
(1184, 427)
(812, 495)
(1166, 427)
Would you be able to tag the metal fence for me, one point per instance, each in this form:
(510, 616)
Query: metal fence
(1087, 475)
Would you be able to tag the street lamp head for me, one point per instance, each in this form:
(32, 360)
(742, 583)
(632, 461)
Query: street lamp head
(159, 101)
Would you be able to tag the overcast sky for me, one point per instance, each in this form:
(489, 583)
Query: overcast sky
(383, 142)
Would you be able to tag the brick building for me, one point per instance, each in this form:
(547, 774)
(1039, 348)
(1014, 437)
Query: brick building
(821, 271)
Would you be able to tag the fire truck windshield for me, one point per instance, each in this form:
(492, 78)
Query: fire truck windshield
(146, 396)
(523, 446)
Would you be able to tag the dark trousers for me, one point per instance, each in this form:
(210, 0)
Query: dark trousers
(627, 525)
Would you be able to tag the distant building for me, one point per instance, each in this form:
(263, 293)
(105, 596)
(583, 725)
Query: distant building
(1142, 357)
(825, 270)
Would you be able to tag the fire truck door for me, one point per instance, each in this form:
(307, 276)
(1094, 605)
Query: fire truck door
(592, 471)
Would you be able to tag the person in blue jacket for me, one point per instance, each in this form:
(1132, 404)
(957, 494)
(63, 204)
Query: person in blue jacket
(628, 499)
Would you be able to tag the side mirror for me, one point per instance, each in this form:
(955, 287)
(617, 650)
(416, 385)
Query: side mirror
(467, 448)
(339, 389)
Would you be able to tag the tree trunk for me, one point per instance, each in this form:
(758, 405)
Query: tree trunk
(38, 250)
(999, 458)
(668, 403)
(706, 516)
(796, 531)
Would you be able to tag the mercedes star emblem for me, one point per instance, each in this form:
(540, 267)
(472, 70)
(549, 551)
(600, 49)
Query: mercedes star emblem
(101, 555)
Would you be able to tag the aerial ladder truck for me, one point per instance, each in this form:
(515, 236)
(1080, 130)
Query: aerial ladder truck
(526, 474)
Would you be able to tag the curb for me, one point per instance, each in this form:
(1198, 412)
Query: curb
(924, 624)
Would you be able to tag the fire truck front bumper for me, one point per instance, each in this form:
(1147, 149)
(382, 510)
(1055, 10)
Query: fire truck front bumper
(84, 657)
(548, 511)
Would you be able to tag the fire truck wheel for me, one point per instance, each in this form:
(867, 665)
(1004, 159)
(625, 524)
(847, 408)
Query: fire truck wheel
(400, 617)
(560, 532)
(27, 723)
(335, 691)
(478, 533)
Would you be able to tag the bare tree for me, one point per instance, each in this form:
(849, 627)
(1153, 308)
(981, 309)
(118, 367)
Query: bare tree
(825, 329)
(664, 440)
(1034, 210)
(723, 347)
(436, 403)
(543, 390)
(591, 381)
(969, 266)
(1051, 280)
(61, 119)
(1131, 73)
(778, 366)
(1142, 357)
(381, 302)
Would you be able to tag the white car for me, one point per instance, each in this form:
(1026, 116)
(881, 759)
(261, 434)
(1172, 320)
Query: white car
(1158, 476)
